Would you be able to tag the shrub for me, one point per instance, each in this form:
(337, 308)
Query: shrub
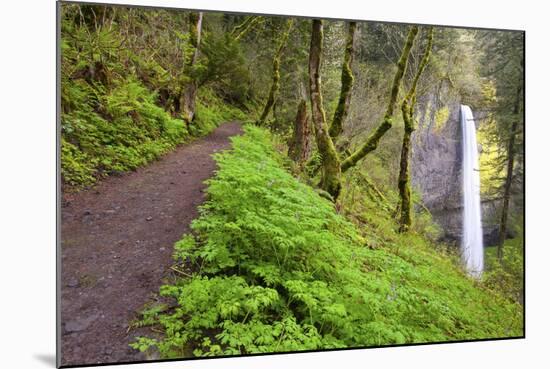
(211, 110)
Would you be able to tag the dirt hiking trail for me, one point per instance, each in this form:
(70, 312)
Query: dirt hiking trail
(116, 242)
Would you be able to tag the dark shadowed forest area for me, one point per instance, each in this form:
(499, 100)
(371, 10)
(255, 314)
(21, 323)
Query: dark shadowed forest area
(236, 184)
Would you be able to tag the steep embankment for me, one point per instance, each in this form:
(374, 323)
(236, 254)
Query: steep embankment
(116, 129)
(271, 266)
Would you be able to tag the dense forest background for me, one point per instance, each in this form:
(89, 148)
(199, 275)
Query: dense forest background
(347, 252)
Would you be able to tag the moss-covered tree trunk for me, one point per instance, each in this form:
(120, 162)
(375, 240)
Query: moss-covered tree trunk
(241, 29)
(189, 94)
(275, 84)
(298, 149)
(407, 110)
(330, 163)
(509, 176)
(342, 108)
(403, 183)
(373, 139)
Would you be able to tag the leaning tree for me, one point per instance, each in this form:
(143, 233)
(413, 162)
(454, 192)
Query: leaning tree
(332, 166)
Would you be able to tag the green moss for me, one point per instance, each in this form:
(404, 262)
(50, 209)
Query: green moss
(370, 145)
(407, 110)
(347, 79)
(373, 139)
(241, 29)
(275, 85)
(330, 162)
(403, 184)
(190, 87)
(441, 118)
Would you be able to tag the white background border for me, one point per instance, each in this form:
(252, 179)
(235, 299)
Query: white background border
(27, 185)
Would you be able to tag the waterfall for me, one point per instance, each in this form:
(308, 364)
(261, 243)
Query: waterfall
(472, 235)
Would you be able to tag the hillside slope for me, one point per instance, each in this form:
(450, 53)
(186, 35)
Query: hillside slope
(271, 266)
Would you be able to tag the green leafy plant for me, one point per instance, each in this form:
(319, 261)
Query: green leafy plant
(114, 131)
(117, 99)
(276, 268)
(507, 276)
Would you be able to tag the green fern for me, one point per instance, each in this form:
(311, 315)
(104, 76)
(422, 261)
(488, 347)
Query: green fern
(277, 269)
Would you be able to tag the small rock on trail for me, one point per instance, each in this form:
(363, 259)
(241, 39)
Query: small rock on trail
(80, 324)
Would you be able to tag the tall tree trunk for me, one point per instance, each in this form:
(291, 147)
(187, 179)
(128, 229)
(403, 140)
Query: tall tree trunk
(509, 176)
(407, 109)
(298, 149)
(342, 108)
(330, 180)
(373, 139)
(190, 91)
(276, 75)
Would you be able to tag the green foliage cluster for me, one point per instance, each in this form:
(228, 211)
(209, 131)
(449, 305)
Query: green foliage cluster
(125, 128)
(276, 268)
(211, 110)
(368, 205)
(441, 118)
(508, 275)
(121, 80)
(225, 68)
(105, 132)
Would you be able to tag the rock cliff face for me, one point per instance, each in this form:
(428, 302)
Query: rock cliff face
(437, 165)
(437, 157)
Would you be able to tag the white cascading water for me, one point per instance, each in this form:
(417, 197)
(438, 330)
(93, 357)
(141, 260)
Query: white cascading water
(472, 234)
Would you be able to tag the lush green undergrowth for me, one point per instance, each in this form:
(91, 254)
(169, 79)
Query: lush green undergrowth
(118, 130)
(274, 268)
(508, 276)
(120, 93)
